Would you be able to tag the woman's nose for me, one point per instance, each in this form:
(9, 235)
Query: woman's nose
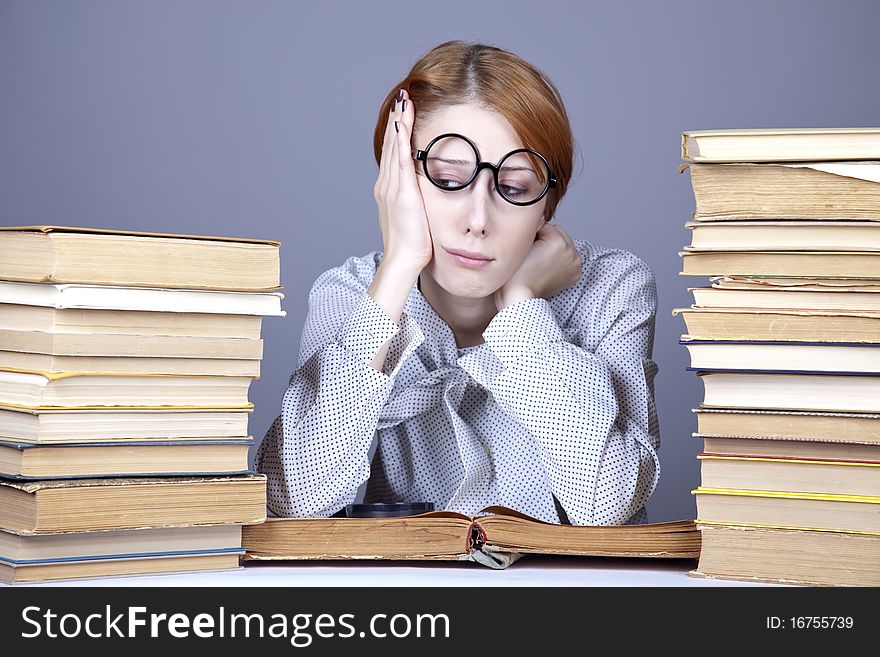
(482, 191)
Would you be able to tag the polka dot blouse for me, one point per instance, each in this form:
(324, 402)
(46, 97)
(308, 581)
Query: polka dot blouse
(553, 415)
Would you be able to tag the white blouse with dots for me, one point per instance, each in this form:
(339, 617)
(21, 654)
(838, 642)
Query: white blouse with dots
(553, 415)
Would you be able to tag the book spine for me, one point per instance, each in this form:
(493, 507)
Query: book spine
(476, 537)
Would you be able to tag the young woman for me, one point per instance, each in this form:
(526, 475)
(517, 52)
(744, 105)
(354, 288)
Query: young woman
(491, 358)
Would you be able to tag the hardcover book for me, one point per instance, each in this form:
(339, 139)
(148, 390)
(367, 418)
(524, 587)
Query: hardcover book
(67, 254)
(815, 191)
(73, 390)
(60, 425)
(781, 324)
(790, 475)
(757, 355)
(123, 459)
(788, 556)
(784, 510)
(791, 391)
(792, 448)
(781, 145)
(80, 505)
(31, 558)
(832, 264)
(795, 425)
(785, 235)
(142, 299)
(815, 297)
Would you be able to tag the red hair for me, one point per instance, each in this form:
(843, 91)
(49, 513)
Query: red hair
(456, 72)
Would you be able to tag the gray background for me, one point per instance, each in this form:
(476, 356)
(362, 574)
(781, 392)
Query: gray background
(255, 119)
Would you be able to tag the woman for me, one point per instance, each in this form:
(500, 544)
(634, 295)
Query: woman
(492, 359)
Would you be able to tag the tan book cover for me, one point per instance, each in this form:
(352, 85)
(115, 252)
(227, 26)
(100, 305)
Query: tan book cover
(68, 254)
(87, 568)
(88, 321)
(789, 474)
(112, 344)
(789, 556)
(798, 448)
(114, 424)
(861, 358)
(89, 390)
(762, 508)
(780, 324)
(124, 459)
(791, 391)
(834, 264)
(730, 192)
(794, 427)
(78, 505)
(780, 144)
(785, 235)
(790, 298)
(17, 361)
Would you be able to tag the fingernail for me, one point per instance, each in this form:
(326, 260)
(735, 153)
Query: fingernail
(404, 105)
(394, 105)
(400, 95)
(396, 127)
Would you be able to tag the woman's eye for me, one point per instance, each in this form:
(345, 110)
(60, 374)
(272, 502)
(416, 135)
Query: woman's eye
(512, 192)
(449, 183)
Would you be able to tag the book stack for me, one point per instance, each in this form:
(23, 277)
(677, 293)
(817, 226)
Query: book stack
(125, 364)
(786, 340)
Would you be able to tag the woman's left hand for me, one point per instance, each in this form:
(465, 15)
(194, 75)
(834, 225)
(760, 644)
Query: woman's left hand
(552, 264)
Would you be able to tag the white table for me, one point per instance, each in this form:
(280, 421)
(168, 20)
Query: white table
(531, 570)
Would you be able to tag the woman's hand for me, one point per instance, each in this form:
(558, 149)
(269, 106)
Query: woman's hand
(402, 218)
(552, 264)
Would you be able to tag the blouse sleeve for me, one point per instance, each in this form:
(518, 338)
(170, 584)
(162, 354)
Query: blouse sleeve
(592, 412)
(315, 453)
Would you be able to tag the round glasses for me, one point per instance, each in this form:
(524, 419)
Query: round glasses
(452, 162)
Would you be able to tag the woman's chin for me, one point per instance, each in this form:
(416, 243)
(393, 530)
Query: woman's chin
(470, 290)
(466, 284)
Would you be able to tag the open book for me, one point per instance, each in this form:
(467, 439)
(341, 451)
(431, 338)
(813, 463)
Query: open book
(495, 539)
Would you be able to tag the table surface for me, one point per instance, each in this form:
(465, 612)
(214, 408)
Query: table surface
(531, 570)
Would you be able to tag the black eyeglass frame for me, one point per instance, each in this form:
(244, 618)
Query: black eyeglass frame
(422, 156)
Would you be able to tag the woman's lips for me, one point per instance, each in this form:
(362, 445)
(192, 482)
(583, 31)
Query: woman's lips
(473, 263)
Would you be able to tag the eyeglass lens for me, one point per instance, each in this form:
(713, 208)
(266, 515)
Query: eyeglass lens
(451, 163)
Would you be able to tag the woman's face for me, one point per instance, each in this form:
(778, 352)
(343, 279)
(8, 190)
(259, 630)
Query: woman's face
(475, 219)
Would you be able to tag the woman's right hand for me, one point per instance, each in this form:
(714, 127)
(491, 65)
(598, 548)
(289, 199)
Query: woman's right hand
(402, 217)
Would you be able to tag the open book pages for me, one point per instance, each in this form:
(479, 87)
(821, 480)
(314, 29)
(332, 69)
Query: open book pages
(447, 535)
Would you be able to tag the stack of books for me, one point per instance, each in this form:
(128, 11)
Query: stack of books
(125, 364)
(786, 340)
